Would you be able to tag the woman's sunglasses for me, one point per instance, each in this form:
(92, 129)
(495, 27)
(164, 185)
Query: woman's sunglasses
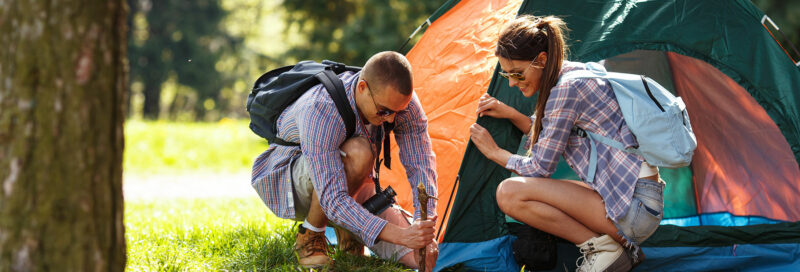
(516, 76)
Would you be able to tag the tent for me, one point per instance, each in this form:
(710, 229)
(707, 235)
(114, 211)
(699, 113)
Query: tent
(735, 207)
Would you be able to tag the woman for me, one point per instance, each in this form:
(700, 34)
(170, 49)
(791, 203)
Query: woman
(623, 203)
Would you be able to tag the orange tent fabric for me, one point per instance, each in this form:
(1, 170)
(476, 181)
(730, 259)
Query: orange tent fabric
(456, 53)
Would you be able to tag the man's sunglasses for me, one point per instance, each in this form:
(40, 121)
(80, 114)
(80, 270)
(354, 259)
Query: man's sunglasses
(380, 112)
(516, 76)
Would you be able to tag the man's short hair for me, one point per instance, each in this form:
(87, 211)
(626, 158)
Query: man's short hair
(388, 68)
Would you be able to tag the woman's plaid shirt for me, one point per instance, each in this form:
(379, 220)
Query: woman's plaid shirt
(589, 104)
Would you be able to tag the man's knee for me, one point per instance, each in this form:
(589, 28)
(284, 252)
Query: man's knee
(358, 159)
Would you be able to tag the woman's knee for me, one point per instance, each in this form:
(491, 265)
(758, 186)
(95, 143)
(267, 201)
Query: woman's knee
(515, 191)
(507, 193)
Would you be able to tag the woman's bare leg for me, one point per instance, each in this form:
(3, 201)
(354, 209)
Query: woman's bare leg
(565, 208)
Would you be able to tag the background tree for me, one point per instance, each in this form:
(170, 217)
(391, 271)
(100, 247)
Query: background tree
(201, 57)
(178, 38)
(62, 88)
(351, 31)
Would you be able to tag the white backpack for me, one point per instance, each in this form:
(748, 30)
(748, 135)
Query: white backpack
(657, 118)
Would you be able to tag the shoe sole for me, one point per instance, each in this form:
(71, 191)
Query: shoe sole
(622, 263)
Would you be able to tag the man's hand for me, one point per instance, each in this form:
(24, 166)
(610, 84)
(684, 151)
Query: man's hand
(419, 234)
(432, 253)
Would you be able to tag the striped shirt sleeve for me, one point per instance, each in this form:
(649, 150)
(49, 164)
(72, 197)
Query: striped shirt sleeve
(416, 152)
(322, 131)
(560, 115)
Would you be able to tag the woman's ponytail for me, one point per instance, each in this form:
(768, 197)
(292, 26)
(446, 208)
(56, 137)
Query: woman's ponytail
(524, 38)
(554, 30)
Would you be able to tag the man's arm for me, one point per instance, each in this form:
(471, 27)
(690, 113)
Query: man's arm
(416, 152)
(321, 133)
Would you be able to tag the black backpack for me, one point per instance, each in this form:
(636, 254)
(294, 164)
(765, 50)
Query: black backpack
(275, 90)
(533, 248)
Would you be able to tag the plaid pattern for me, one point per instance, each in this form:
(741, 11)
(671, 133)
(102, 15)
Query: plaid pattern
(314, 122)
(591, 105)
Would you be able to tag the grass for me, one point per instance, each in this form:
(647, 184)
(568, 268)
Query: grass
(209, 234)
(169, 147)
(219, 234)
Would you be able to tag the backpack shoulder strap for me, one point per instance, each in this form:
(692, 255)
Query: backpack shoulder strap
(333, 84)
(593, 70)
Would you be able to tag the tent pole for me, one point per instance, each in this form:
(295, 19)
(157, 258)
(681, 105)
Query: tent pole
(450, 199)
(791, 45)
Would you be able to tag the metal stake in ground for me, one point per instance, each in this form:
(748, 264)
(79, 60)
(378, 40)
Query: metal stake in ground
(423, 197)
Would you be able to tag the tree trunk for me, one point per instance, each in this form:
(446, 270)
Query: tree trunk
(63, 70)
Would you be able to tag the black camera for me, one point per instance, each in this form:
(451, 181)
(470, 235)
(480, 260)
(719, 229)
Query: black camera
(380, 201)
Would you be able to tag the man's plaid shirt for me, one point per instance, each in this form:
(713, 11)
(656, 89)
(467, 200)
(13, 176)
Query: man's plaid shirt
(314, 122)
(589, 104)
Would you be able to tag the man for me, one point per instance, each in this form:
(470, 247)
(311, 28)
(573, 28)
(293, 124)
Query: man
(328, 176)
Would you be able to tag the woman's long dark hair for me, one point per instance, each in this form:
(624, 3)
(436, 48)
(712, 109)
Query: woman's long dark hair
(523, 39)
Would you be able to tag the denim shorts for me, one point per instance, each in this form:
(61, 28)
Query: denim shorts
(645, 212)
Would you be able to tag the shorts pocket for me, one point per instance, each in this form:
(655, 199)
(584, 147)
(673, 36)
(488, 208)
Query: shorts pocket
(646, 220)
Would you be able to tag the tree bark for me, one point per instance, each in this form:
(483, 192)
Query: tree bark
(63, 82)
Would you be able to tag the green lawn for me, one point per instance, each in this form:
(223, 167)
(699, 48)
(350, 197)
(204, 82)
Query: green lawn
(219, 234)
(208, 234)
(169, 147)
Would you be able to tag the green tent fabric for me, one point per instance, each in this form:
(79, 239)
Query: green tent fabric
(683, 27)
(606, 29)
(728, 35)
(475, 209)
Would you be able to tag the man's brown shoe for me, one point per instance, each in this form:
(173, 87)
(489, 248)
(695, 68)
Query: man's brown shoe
(348, 242)
(311, 248)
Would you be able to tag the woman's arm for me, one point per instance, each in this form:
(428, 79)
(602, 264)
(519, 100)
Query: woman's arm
(522, 122)
(560, 115)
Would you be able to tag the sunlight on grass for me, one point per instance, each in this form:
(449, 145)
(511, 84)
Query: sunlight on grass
(206, 234)
(168, 147)
(219, 234)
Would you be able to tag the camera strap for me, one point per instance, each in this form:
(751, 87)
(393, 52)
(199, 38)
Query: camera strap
(383, 139)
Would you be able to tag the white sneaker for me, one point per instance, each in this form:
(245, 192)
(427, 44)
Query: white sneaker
(601, 254)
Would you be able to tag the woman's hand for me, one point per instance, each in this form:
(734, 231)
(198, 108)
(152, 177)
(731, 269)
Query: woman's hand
(490, 106)
(486, 144)
(483, 140)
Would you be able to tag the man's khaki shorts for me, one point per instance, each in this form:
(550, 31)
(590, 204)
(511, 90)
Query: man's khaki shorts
(303, 187)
